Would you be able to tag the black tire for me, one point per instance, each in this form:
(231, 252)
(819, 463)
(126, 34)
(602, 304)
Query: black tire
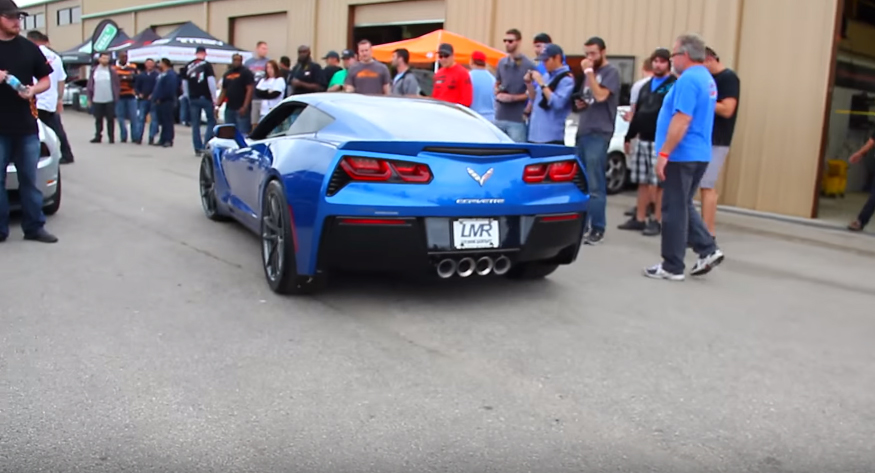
(278, 247)
(207, 188)
(531, 270)
(616, 173)
(53, 208)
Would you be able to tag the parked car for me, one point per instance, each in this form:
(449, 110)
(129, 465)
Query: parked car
(617, 173)
(48, 173)
(74, 94)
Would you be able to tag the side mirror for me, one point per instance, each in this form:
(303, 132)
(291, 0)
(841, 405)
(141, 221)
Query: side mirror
(229, 132)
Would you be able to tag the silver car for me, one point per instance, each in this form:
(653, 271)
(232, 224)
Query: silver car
(48, 173)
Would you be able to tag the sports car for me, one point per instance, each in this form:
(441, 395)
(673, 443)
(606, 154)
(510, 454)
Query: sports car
(48, 173)
(336, 181)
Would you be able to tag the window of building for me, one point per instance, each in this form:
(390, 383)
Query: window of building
(40, 19)
(67, 16)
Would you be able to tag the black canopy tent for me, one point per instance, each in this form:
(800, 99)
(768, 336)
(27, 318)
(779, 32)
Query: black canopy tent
(142, 39)
(179, 46)
(83, 54)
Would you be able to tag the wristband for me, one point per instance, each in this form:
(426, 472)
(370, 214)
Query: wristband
(663, 154)
(588, 70)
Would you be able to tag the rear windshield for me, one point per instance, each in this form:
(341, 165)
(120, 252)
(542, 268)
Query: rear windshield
(416, 120)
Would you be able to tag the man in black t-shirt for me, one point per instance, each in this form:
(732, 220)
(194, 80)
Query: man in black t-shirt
(332, 61)
(306, 77)
(728, 91)
(23, 61)
(199, 85)
(238, 85)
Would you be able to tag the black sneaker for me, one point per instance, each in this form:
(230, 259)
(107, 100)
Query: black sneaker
(632, 224)
(95, 140)
(652, 228)
(42, 236)
(595, 237)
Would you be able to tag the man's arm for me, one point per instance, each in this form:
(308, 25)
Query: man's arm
(610, 84)
(856, 157)
(562, 94)
(731, 90)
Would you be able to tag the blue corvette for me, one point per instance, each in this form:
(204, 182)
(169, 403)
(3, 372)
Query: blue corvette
(336, 181)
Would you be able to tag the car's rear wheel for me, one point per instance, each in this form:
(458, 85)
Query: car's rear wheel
(207, 185)
(53, 208)
(531, 270)
(278, 247)
(616, 172)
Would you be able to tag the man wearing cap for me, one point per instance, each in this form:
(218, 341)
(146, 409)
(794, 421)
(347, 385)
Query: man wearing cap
(332, 66)
(643, 127)
(540, 42)
(306, 77)
(552, 98)
(49, 104)
(368, 76)
(483, 85)
(728, 92)
(511, 92)
(336, 83)
(19, 133)
(199, 86)
(405, 83)
(452, 82)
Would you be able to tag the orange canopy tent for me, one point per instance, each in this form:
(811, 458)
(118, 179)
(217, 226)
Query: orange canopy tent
(424, 48)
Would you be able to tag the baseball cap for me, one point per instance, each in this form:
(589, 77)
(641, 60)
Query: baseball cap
(347, 54)
(332, 55)
(200, 49)
(446, 48)
(542, 38)
(661, 53)
(551, 50)
(8, 7)
(478, 56)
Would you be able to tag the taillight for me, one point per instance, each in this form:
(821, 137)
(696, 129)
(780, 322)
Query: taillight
(385, 170)
(560, 171)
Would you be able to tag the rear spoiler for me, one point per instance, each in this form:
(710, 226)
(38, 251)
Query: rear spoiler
(414, 148)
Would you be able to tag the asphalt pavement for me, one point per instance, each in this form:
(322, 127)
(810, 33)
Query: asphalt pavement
(147, 340)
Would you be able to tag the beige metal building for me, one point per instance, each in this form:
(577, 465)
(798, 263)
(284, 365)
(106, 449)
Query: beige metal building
(782, 50)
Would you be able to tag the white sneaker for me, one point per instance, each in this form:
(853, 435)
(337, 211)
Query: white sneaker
(705, 265)
(656, 272)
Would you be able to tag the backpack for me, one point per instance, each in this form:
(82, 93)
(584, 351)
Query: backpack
(418, 81)
(552, 85)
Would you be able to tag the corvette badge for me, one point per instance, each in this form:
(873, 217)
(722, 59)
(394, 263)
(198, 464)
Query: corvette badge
(481, 179)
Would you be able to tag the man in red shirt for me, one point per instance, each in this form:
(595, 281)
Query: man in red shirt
(452, 82)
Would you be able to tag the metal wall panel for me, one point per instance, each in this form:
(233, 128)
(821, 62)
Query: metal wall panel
(166, 20)
(124, 21)
(66, 36)
(775, 158)
(273, 29)
(404, 12)
(299, 27)
(90, 7)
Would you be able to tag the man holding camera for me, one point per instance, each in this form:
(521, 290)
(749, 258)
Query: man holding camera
(552, 102)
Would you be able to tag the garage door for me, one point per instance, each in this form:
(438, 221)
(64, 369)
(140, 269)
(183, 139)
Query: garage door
(397, 13)
(247, 31)
(163, 30)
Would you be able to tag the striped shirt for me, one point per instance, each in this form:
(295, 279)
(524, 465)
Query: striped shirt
(126, 75)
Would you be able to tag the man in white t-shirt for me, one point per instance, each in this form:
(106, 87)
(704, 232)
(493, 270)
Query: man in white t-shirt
(49, 104)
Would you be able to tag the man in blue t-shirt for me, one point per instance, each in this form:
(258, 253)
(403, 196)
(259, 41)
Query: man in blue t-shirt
(683, 138)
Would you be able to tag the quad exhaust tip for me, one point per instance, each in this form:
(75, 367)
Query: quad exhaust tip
(466, 267)
(484, 266)
(501, 265)
(446, 268)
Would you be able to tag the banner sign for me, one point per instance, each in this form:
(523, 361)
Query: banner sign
(104, 35)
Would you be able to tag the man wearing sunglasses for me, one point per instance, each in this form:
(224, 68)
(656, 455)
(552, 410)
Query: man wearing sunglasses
(19, 135)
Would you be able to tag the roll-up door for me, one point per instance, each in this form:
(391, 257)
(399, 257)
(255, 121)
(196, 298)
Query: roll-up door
(399, 13)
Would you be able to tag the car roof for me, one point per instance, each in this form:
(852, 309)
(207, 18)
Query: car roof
(371, 117)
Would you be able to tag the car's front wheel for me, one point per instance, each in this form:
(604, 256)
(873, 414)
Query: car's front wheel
(616, 172)
(278, 247)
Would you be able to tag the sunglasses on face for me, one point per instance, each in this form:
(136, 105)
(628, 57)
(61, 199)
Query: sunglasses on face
(443, 56)
(508, 41)
(13, 16)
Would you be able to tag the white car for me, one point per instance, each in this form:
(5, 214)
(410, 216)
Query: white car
(617, 172)
(48, 173)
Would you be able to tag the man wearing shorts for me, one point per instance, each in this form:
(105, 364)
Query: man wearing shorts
(728, 90)
(643, 127)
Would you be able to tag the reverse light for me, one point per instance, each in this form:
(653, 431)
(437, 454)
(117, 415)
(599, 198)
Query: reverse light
(559, 171)
(385, 170)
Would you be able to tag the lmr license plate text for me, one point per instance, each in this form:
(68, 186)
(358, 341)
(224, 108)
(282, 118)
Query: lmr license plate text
(476, 233)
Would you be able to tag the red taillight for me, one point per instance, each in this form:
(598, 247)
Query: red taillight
(560, 218)
(367, 169)
(383, 170)
(560, 171)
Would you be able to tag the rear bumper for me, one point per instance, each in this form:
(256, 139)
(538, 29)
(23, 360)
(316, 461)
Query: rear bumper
(419, 243)
(46, 178)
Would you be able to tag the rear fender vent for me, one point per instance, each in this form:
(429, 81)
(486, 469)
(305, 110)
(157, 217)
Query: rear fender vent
(44, 150)
(580, 180)
(338, 179)
(475, 151)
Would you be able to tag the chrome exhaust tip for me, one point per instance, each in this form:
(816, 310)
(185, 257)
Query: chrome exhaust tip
(501, 265)
(466, 267)
(484, 266)
(446, 268)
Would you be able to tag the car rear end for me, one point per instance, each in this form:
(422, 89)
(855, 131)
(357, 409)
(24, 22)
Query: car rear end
(48, 170)
(454, 209)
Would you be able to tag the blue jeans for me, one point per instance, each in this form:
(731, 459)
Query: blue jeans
(125, 111)
(681, 222)
(593, 151)
(197, 105)
(164, 110)
(144, 108)
(517, 131)
(232, 117)
(23, 151)
(184, 110)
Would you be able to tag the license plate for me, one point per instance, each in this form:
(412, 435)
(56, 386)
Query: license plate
(476, 233)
